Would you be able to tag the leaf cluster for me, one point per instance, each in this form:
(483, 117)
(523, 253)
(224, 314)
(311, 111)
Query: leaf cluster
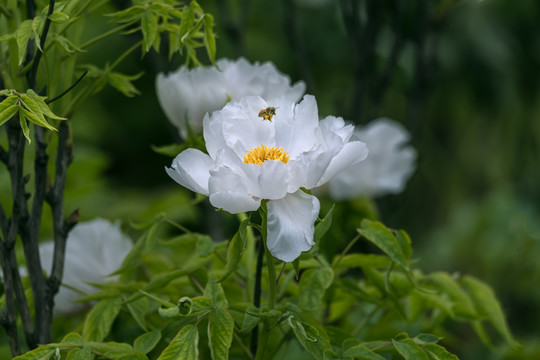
(192, 298)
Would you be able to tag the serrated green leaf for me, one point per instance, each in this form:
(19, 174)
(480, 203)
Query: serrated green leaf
(169, 313)
(220, 333)
(7, 37)
(360, 351)
(110, 349)
(404, 243)
(130, 14)
(145, 243)
(487, 305)
(163, 279)
(188, 19)
(423, 339)
(462, 303)
(80, 354)
(236, 248)
(324, 225)
(309, 337)
(100, 319)
(59, 17)
(383, 238)
(40, 101)
(409, 350)
(149, 27)
(37, 25)
(440, 352)
(215, 292)
(313, 285)
(249, 322)
(184, 346)
(24, 126)
(122, 83)
(8, 108)
(134, 356)
(41, 353)
(23, 35)
(147, 341)
(73, 338)
(33, 112)
(66, 44)
(138, 309)
(209, 39)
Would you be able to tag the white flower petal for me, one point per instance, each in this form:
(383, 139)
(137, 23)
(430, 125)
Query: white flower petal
(291, 224)
(191, 168)
(94, 249)
(269, 180)
(234, 202)
(387, 167)
(351, 154)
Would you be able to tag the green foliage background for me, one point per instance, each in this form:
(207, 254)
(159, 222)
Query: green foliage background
(471, 102)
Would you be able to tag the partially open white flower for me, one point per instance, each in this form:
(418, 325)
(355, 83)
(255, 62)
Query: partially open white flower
(387, 168)
(187, 95)
(94, 250)
(269, 150)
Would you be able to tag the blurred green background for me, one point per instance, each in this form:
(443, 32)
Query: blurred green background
(463, 78)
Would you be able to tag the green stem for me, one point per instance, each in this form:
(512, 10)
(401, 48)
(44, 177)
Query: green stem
(103, 36)
(345, 251)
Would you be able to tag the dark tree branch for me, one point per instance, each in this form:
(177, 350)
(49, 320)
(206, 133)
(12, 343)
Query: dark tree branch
(3, 155)
(61, 227)
(9, 319)
(37, 57)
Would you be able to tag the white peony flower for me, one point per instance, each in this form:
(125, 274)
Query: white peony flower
(94, 250)
(269, 150)
(388, 166)
(187, 95)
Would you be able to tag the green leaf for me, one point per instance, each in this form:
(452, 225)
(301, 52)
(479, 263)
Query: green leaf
(323, 226)
(169, 150)
(23, 35)
(122, 83)
(487, 305)
(34, 113)
(147, 342)
(66, 44)
(236, 248)
(309, 337)
(462, 303)
(383, 238)
(39, 100)
(73, 338)
(24, 126)
(184, 346)
(361, 351)
(188, 19)
(404, 243)
(215, 292)
(110, 349)
(80, 354)
(149, 26)
(138, 309)
(209, 39)
(440, 352)
(100, 319)
(129, 14)
(40, 353)
(59, 17)
(134, 356)
(249, 322)
(296, 267)
(8, 108)
(145, 243)
(313, 285)
(423, 339)
(409, 350)
(365, 260)
(220, 333)
(37, 25)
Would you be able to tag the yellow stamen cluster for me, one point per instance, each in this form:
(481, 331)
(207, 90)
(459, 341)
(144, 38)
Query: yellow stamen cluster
(262, 153)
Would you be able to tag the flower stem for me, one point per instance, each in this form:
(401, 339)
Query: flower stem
(257, 296)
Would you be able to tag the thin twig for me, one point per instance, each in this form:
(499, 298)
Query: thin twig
(69, 88)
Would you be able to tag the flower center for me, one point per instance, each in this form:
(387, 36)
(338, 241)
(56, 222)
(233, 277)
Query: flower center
(262, 153)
